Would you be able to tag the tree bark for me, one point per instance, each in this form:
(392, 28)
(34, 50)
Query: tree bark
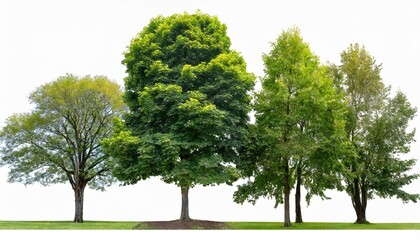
(298, 209)
(359, 200)
(78, 199)
(287, 222)
(185, 216)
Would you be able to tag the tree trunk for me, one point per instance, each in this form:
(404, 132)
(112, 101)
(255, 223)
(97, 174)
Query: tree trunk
(359, 200)
(185, 216)
(287, 222)
(78, 199)
(298, 209)
(361, 216)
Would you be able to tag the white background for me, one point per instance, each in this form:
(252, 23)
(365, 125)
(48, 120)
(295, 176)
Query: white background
(41, 40)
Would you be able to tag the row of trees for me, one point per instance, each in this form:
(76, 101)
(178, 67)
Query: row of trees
(325, 127)
(183, 116)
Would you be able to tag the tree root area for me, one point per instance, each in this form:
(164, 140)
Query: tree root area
(177, 224)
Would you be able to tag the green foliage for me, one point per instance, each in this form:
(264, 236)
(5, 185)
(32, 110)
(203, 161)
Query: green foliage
(377, 126)
(167, 47)
(363, 83)
(299, 126)
(59, 140)
(387, 140)
(187, 94)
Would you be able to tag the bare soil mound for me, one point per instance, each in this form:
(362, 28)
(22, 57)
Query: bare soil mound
(176, 224)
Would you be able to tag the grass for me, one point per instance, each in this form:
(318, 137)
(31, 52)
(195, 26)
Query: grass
(322, 226)
(66, 225)
(104, 225)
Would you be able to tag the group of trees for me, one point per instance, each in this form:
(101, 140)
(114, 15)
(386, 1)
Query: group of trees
(183, 116)
(325, 127)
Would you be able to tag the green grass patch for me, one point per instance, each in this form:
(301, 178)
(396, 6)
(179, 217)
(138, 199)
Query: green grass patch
(66, 225)
(322, 226)
(142, 226)
(108, 225)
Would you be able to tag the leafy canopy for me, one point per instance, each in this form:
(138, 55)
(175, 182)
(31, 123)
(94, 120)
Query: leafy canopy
(389, 139)
(60, 139)
(377, 126)
(187, 94)
(299, 127)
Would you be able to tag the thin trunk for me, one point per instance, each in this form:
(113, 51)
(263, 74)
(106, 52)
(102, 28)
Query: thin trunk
(78, 199)
(359, 200)
(287, 222)
(298, 209)
(185, 216)
(364, 200)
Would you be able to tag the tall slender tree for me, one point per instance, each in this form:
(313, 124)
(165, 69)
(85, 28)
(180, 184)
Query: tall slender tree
(298, 123)
(187, 94)
(377, 126)
(59, 141)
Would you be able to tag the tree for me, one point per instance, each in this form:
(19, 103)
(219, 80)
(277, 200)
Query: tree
(377, 126)
(298, 127)
(187, 94)
(60, 139)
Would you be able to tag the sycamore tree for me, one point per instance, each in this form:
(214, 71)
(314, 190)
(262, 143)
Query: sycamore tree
(59, 140)
(187, 94)
(298, 132)
(378, 128)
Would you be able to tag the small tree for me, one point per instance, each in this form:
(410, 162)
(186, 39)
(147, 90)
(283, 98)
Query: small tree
(377, 127)
(60, 139)
(187, 94)
(299, 126)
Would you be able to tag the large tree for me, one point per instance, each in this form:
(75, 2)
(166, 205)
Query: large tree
(187, 94)
(59, 140)
(377, 126)
(299, 127)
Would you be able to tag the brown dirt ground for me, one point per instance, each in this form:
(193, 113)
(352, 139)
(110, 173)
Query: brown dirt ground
(176, 224)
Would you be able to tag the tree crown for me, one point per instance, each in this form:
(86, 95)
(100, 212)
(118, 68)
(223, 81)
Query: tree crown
(59, 140)
(187, 94)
